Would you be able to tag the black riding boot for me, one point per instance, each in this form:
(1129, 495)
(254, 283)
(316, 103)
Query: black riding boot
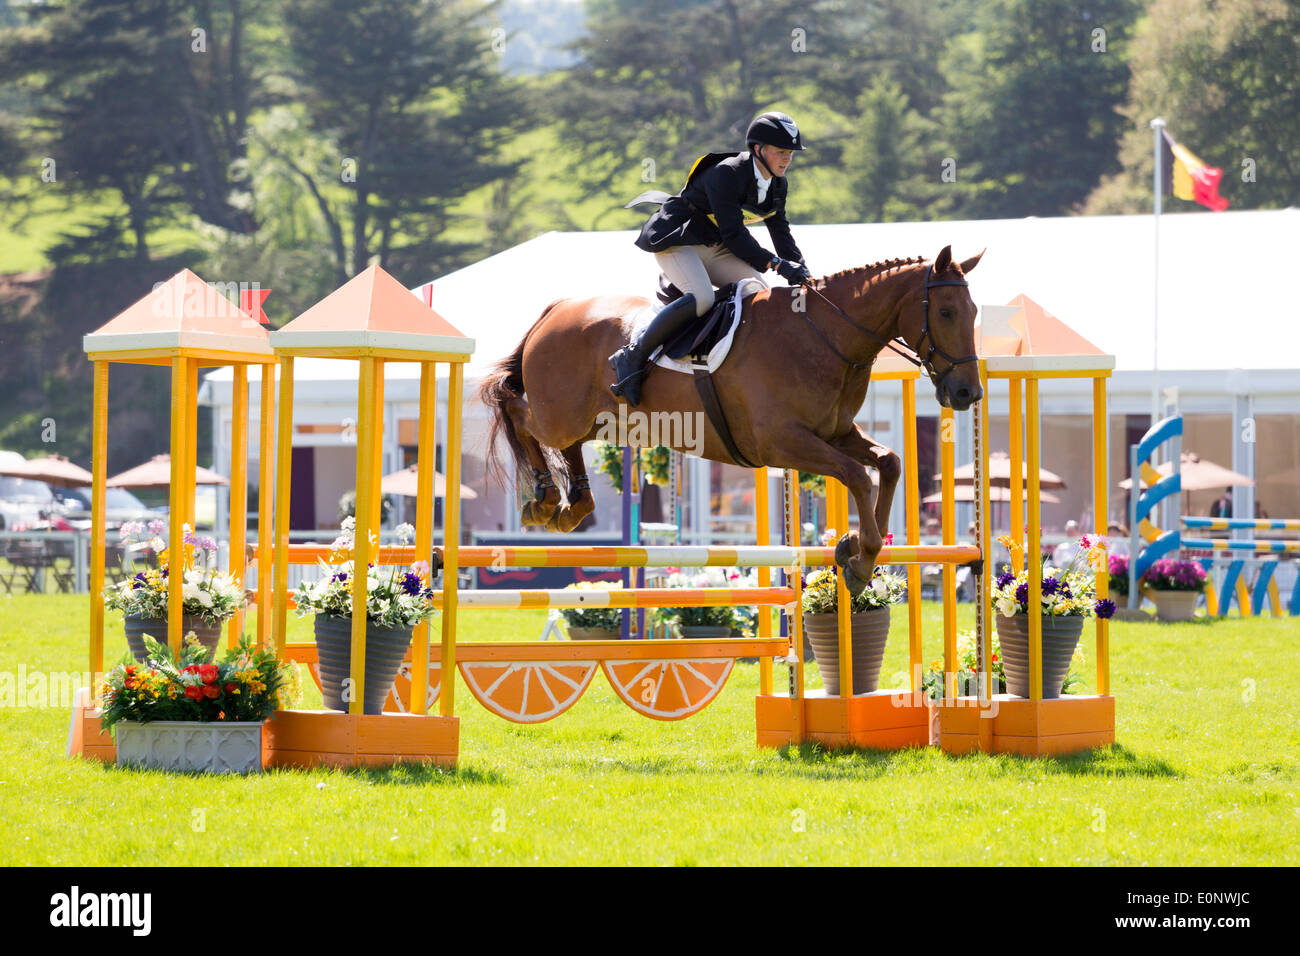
(629, 362)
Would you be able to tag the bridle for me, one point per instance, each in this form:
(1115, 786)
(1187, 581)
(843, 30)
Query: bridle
(926, 362)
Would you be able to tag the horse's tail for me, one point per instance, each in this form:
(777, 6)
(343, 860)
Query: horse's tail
(504, 384)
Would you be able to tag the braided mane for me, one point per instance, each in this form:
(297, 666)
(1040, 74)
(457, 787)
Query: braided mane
(870, 271)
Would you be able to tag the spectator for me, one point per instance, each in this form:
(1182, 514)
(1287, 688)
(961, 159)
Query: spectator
(1223, 507)
(1118, 536)
(1259, 511)
(1067, 549)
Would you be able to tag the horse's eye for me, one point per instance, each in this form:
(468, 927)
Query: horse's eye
(946, 313)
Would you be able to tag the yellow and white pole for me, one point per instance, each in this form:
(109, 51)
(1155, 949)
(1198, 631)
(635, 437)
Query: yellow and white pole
(451, 538)
(912, 509)
(265, 501)
(1033, 549)
(98, 531)
(762, 514)
(427, 448)
(947, 446)
(365, 522)
(1101, 511)
(238, 511)
(278, 600)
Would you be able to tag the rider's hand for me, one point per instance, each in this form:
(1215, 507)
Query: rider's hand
(795, 273)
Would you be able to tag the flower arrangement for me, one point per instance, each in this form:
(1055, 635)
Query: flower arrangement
(653, 461)
(213, 597)
(1118, 564)
(1170, 574)
(245, 686)
(1067, 592)
(932, 680)
(601, 618)
(820, 594)
(742, 619)
(394, 598)
(810, 482)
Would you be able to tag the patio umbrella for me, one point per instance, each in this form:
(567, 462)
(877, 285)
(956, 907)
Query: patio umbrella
(1000, 474)
(52, 469)
(157, 473)
(404, 483)
(1198, 474)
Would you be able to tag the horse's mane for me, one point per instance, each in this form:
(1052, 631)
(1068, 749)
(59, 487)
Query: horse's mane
(869, 271)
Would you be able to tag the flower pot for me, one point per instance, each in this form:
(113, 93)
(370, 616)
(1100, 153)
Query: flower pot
(223, 746)
(1060, 637)
(136, 628)
(705, 631)
(593, 633)
(1175, 605)
(870, 631)
(385, 648)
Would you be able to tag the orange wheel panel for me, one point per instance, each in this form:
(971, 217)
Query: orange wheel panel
(397, 698)
(527, 692)
(668, 689)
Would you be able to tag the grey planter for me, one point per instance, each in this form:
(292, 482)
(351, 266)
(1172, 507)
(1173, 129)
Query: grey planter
(1060, 637)
(136, 628)
(592, 634)
(870, 631)
(1175, 605)
(385, 648)
(223, 746)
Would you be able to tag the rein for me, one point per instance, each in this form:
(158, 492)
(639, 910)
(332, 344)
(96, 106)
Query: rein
(927, 363)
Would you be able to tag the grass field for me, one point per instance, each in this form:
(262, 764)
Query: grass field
(1205, 772)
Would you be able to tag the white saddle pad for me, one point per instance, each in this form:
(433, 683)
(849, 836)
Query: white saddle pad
(744, 289)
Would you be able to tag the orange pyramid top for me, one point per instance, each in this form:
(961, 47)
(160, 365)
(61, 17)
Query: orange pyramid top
(1032, 330)
(372, 311)
(182, 315)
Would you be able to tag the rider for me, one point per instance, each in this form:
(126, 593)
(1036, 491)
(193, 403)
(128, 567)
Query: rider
(700, 239)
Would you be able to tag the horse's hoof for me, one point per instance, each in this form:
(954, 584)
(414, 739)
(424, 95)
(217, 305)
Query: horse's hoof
(844, 549)
(854, 584)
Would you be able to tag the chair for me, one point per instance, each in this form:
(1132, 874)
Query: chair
(27, 562)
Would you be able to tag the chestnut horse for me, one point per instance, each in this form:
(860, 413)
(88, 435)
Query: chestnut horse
(796, 376)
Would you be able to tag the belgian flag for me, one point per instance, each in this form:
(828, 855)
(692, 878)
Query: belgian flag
(1188, 178)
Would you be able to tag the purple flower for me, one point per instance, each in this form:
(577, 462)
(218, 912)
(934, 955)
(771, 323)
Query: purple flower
(411, 583)
(1022, 593)
(157, 526)
(1104, 608)
(339, 576)
(139, 581)
(1005, 578)
(1050, 585)
(1065, 591)
(1119, 565)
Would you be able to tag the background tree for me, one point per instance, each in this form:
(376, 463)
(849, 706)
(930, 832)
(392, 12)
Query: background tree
(411, 101)
(1224, 78)
(1031, 115)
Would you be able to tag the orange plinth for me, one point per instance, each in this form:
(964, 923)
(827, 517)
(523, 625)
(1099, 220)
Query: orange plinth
(882, 720)
(1034, 728)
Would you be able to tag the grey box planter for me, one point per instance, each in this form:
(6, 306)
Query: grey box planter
(136, 628)
(704, 631)
(385, 649)
(179, 745)
(1060, 637)
(1175, 605)
(870, 632)
(592, 633)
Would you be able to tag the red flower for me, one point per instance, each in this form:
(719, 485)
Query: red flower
(194, 692)
(231, 687)
(213, 691)
(208, 672)
(130, 668)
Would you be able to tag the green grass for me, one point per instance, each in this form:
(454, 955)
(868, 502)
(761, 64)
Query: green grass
(1204, 773)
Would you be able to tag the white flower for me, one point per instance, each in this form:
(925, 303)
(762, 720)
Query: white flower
(348, 524)
(405, 531)
(880, 587)
(1007, 606)
(205, 598)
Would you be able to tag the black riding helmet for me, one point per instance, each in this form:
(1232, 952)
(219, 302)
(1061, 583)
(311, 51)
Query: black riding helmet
(774, 129)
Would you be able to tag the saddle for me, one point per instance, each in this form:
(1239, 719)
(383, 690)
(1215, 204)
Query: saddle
(698, 339)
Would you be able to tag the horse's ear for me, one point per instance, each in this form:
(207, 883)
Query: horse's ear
(972, 262)
(942, 261)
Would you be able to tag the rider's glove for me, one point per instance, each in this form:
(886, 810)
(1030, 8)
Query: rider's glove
(795, 273)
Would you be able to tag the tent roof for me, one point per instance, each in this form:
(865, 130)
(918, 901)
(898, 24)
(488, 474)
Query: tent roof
(182, 313)
(372, 309)
(1094, 272)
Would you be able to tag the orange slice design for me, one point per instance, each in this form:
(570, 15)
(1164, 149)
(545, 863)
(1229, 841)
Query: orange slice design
(527, 692)
(668, 689)
(398, 697)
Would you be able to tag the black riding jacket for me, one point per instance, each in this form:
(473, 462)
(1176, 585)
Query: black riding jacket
(720, 197)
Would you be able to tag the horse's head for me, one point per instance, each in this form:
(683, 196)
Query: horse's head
(938, 324)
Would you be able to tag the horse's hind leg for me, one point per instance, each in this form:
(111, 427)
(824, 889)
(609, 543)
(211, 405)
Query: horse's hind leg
(580, 504)
(547, 497)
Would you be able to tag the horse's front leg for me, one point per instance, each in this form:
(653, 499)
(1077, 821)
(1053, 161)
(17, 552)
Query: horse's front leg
(864, 448)
(856, 552)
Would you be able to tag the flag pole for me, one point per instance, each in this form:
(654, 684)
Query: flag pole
(1157, 128)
